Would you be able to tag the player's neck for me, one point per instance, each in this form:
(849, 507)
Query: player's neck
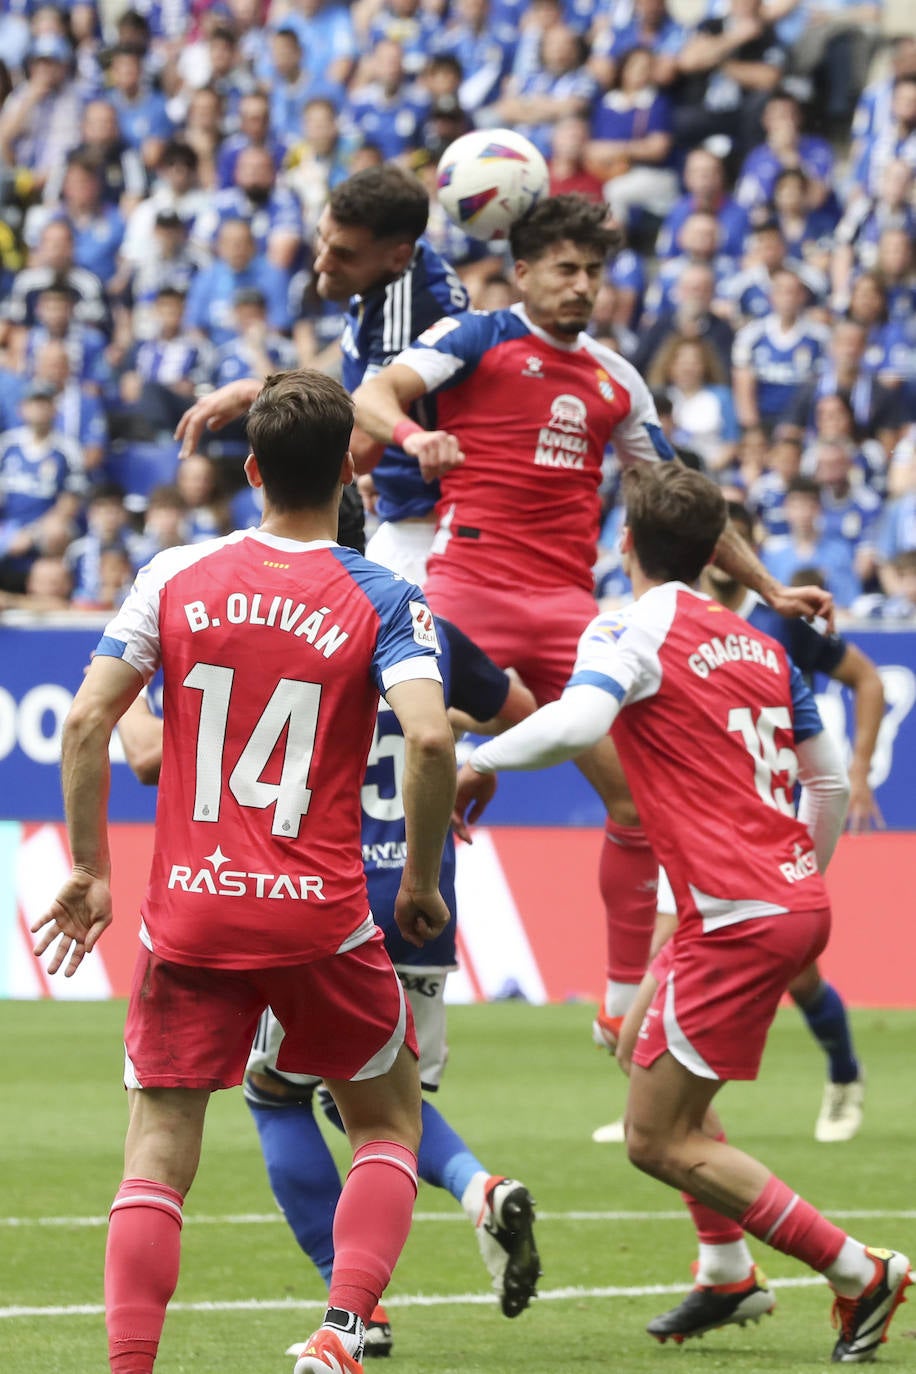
(305, 526)
(729, 594)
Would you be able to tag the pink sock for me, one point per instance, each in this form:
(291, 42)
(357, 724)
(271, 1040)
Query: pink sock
(371, 1224)
(628, 878)
(786, 1221)
(141, 1271)
(711, 1227)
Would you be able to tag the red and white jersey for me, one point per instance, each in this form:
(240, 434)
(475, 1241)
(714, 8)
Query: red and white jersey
(712, 709)
(534, 417)
(273, 653)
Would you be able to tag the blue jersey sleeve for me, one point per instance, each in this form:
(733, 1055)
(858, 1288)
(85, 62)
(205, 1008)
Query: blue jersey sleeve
(460, 339)
(476, 685)
(805, 716)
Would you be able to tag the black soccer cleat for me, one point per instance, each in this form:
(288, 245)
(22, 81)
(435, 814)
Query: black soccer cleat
(863, 1321)
(505, 1233)
(708, 1307)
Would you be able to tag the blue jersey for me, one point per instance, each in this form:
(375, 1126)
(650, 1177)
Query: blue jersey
(810, 651)
(34, 473)
(475, 685)
(783, 361)
(379, 326)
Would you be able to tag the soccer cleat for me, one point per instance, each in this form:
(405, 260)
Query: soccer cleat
(605, 1030)
(841, 1111)
(505, 1234)
(379, 1340)
(708, 1307)
(611, 1134)
(863, 1321)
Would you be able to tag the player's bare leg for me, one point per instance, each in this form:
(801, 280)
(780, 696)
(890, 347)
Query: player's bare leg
(627, 877)
(142, 1256)
(382, 1119)
(666, 1110)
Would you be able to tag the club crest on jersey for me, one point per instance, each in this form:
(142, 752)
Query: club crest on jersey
(604, 385)
(534, 367)
(438, 331)
(424, 627)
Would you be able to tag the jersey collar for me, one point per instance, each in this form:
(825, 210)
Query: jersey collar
(275, 541)
(519, 311)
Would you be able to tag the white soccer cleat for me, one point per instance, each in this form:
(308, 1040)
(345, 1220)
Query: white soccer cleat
(611, 1134)
(605, 1031)
(505, 1234)
(841, 1111)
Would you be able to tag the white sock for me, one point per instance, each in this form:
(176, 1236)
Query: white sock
(348, 1328)
(729, 1263)
(851, 1271)
(619, 997)
(473, 1197)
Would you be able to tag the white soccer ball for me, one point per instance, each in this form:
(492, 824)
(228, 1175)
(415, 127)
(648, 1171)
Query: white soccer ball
(490, 178)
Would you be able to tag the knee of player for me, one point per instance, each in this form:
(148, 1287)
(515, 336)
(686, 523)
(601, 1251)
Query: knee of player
(646, 1149)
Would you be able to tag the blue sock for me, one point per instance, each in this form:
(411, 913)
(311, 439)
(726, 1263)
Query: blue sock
(445, 1160)
(303, 1177)
(829, 1024)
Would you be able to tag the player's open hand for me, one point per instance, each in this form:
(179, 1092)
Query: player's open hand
(475, 792)
(420, 915)
(215, 410)
(436, 451)
(863, 813)
(79, 914)
(811, 603)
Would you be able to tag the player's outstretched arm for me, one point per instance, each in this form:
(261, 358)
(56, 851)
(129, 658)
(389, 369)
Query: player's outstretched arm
(215, 410)
(382, 403)
(735, 556)
(857, 671)
(82, 909)
(428, 794)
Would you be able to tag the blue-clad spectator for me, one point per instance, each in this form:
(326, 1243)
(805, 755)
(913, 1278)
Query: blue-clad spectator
(41, 486)
(897, 141)
(807, 230)
(873, 111)
(409, 24)
(389, 111)
(894, 264)
(785, 146)
(327, 38)
(254, 131)
(652, 27)
(897, 531)
(691, 315)
(142, 115)
(318, 160)
(228, 75)
(561, 86)
(40, 120)
(699, 239)
(86, 347)
(237, 267)
(108, 531)
(851, 511)
(161, 373)
(766, 495)
(273, 212)
(889, 350)
(704, 183)
(865, 219)
(748, 295)
(631, 149)
(484, 49)
(98, 228)
(775, 357)
(292, 86)
(876, 410)
(170, 261)
(319, 324)
(79, 414)
(52, 257)
(807, 546)
(627, 275)
(255, 350)
(124, 179)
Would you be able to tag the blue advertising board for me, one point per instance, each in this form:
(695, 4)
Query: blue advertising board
(41, 667)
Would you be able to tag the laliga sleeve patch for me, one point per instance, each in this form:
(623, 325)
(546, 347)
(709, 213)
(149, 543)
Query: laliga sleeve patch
(607, 630)
(424, 627)
(438, 331)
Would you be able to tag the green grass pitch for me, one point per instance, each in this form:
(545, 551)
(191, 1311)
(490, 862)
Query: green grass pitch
(526, 1090)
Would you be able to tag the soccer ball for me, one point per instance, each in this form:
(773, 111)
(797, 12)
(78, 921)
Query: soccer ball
(490, 178)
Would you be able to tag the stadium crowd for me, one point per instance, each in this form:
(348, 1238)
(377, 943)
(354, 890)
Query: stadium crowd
(163, 168)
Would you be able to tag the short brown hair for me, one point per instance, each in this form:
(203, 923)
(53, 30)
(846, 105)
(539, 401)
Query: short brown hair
(388, 201)
(299, 431)
(676, 517)
(563, 219)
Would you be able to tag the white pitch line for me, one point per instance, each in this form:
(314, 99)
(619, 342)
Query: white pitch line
(272, 1218)
(403, 1300)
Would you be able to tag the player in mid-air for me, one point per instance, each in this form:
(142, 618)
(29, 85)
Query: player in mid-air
(370, 251)
(707, 709)
(302, 1172)
(275, 645)
(525, 404)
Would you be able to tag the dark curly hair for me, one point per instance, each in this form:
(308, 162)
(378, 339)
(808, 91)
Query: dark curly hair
(563, 219)
(386, 200)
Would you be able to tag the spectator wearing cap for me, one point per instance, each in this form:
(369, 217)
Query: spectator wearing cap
(273, 212)
(236, 266)
(176, 190)
(775, 357)
(254, 131)
(632, 145)
(161, 372)
(255, 350)
(729, 64)
(483, 48)
(388, 111)
(142, 115)
(98, 228)
(41, 485)
(560, 86)
(39, 123)
(704, 190)
(52, 258)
